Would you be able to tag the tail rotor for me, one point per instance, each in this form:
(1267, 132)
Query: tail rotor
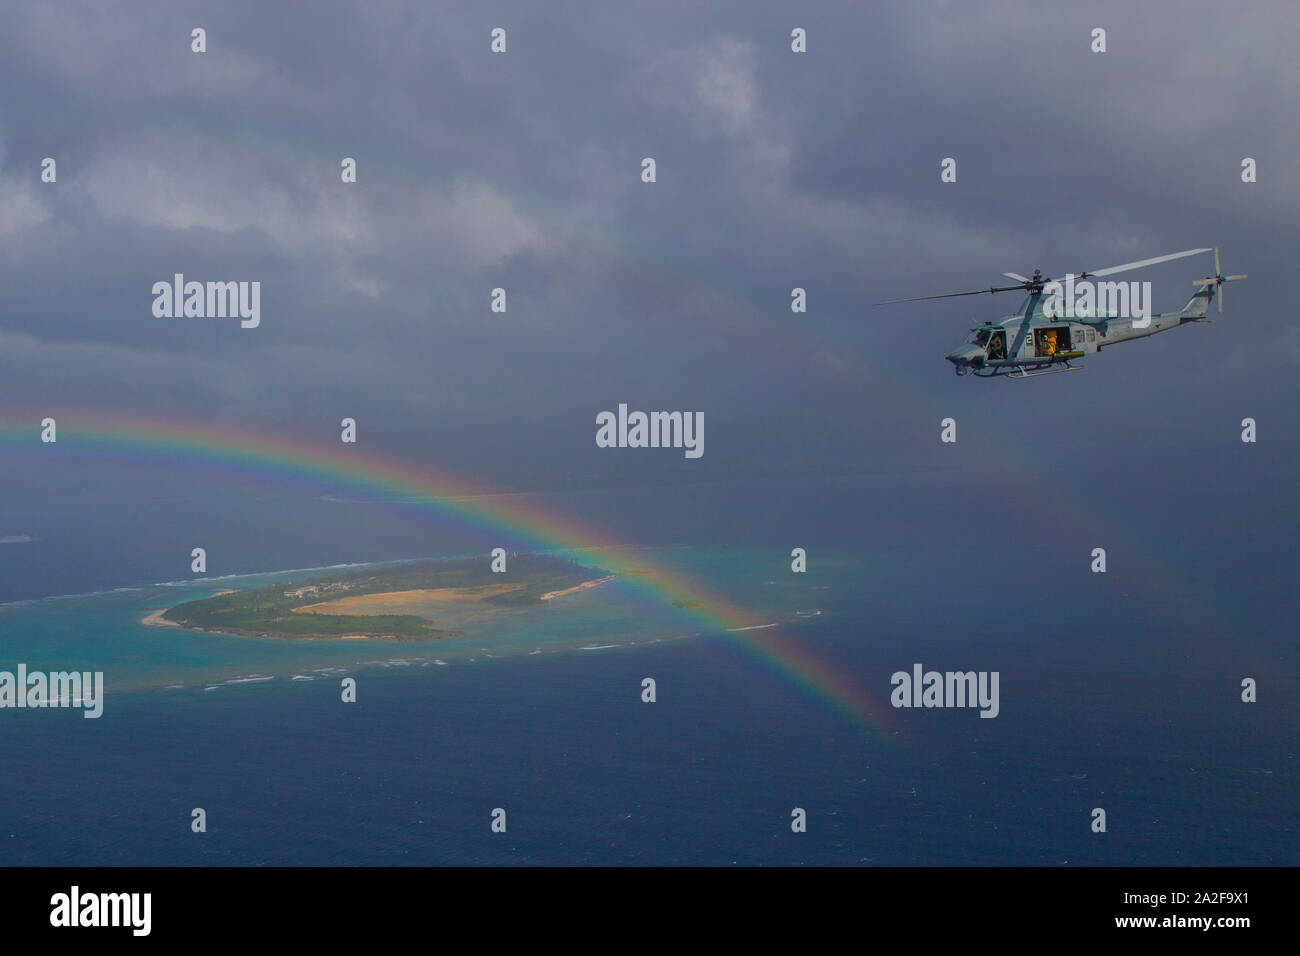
(1218, 279)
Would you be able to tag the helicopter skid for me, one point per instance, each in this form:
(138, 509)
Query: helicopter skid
(1022, 371)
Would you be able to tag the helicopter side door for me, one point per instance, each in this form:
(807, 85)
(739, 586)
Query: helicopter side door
(1077, 338)
(1085, 339)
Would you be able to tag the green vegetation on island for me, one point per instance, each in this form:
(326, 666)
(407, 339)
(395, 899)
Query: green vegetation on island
(352, 604)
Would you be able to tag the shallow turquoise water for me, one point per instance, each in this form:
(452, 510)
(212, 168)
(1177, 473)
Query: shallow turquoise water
(103, 632)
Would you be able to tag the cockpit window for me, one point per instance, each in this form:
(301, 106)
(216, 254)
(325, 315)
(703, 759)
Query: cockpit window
(980, 337)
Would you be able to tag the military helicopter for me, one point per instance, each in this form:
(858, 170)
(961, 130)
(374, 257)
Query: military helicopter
(1055, 326)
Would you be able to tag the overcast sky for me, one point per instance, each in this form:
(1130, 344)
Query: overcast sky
(522, 170)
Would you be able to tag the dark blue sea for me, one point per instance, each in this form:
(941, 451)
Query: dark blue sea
(1118, 691)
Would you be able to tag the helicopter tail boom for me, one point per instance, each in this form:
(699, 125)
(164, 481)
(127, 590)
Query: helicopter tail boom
(1199, 304)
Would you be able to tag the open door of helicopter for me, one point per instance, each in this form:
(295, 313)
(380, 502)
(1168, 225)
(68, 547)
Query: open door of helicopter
(1049, 341)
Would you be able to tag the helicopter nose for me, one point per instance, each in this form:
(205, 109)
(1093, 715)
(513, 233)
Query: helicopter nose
(967, 355)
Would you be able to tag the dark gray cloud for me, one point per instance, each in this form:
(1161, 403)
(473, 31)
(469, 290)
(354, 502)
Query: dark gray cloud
(522, 171)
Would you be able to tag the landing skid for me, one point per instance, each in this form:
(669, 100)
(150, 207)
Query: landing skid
(1022, 371)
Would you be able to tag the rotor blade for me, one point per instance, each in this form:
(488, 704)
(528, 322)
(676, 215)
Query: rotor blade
(1220, 300)
(921, 298)
(1017, 276)
(1231, 278)
(1139, 264)
(1217, 271)
(949, 295)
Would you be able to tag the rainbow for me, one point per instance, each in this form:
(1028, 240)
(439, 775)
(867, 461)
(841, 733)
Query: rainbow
(472, 504)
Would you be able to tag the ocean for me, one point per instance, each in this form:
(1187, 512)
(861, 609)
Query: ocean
(1118, 691)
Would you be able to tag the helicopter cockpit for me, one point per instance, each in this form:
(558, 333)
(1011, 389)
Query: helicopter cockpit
(992, 341)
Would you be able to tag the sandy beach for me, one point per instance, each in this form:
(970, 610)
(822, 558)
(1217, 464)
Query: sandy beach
(390, 602)
(584, 586)
(156, 619)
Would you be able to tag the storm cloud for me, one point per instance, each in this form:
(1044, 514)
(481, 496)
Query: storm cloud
(776, 170)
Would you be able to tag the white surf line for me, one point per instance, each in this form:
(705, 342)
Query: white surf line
(754, 627)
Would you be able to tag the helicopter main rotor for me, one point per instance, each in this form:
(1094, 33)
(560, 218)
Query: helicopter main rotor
(1036, 282)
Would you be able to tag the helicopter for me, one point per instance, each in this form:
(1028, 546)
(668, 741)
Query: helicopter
(1055, 326)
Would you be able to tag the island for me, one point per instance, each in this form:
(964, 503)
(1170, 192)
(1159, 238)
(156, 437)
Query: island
(410, 601)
